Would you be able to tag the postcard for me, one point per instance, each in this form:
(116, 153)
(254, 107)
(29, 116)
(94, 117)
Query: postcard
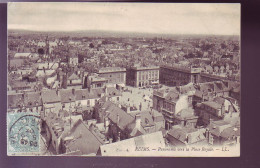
(123, 79)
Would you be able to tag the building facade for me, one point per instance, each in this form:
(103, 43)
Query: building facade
(142, 76)
(114, 75)
(178, 76)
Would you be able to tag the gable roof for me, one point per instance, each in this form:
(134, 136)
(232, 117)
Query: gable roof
(186, 114)
(146, 118)
(32, 99)
(172, 96)
(83, 140)
(187, 135)
(212, 104)
(67, 95)
(50, 96)
(114, 111)
(14, 100)
(83, 94)
(73, 76)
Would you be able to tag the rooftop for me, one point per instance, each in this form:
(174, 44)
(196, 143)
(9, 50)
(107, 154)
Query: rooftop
(111, 69)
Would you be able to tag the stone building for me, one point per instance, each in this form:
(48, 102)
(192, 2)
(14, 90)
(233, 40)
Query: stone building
(142, 76)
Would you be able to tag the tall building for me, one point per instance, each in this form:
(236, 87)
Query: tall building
(175, 107)
(142, 76)
(114, 75)
(178, 76)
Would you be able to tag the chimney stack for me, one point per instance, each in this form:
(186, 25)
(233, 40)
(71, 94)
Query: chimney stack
(189, 138)
(73, 91)
(106, 124)
(119, 136)
(138, 121)
(128, 109)
(105, 90)
(207, 134)
(57, 92)
(118, 119)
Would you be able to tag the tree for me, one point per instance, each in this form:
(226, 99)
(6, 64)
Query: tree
(87, 115)
(91, 45)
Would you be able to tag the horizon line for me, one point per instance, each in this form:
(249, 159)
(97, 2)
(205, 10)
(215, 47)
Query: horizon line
(115, 31)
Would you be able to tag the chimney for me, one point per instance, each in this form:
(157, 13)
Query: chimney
(106, 124)
(210, 120)
(118, 136)
(138, 121)
(222, 109)
(119, 105)
(207, 134)
(189, 139)
(73, 91)
(128, 109)
(117, 119)
(57, 92)
(105, 89)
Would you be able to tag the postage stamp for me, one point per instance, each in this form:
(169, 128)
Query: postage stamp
(23, 132)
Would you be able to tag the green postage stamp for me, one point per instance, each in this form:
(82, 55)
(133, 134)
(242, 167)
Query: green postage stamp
(23, 133)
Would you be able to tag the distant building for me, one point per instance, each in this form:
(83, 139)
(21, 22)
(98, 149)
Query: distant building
(51, 101)
(24, 102)
(178, 76)
(73, 60)
(114, 75)
(20, 85)
(94, 81)
(142, 76)
(74, 80)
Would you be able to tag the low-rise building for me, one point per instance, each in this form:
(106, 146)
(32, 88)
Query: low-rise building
(94, 81)
(223, 133)
(186, 136)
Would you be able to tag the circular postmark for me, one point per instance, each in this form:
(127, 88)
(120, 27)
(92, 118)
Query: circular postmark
(23, 133)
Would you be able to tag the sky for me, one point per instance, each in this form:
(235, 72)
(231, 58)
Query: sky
(162, 18)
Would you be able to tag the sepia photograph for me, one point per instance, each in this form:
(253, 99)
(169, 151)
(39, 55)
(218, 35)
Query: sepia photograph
(123, 79)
